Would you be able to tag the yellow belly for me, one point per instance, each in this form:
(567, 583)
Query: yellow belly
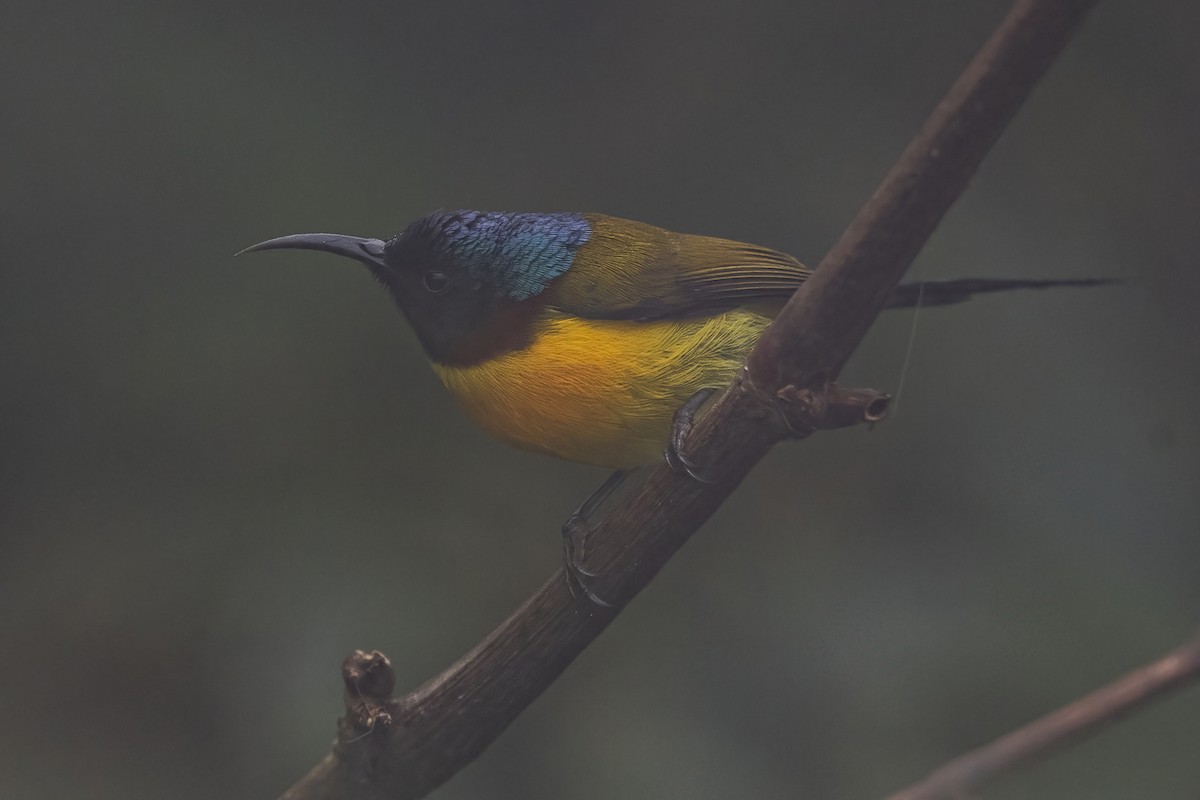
(601, 392)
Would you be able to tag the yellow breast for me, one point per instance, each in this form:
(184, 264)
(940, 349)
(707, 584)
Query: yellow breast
(601, 392)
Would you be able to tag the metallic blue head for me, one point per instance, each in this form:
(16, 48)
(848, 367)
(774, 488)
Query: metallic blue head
(466, 280)
(516, 254)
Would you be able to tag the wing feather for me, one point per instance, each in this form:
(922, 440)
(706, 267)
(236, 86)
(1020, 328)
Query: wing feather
(630, 270)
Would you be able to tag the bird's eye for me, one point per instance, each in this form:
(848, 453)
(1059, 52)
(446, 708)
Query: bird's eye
(436, 282)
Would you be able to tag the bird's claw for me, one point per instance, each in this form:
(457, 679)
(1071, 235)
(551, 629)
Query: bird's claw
(575, 531)
(681, 426)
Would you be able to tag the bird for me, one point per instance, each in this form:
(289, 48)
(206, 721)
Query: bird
(589, 337)
(580, 335)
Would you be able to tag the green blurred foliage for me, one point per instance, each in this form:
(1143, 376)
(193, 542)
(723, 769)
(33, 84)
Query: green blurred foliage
(218, 476)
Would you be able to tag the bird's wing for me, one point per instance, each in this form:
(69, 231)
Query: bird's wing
(630, 270)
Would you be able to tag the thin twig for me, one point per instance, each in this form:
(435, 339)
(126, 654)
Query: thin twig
(1058, 729)
(786, 390)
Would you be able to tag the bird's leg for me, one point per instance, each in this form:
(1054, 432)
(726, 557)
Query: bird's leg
(575, 532)
(681, 426)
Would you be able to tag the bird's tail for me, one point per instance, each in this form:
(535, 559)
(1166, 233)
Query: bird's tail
(944, 293)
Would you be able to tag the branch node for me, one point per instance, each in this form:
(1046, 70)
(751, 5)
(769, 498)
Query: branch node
(369, 683)
(806, 410)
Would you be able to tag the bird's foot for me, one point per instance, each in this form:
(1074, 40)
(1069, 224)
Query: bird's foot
(681, 426)
(575, 532)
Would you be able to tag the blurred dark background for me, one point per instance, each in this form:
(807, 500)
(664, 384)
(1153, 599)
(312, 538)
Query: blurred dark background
(218, 476)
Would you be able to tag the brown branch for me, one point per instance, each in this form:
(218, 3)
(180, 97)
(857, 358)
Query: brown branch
(406, 747)
(1058, 729)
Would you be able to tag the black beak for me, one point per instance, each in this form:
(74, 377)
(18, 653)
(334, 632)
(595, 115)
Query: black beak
(368, 251)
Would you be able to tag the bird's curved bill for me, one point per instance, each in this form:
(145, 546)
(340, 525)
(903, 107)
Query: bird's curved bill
(368, 251)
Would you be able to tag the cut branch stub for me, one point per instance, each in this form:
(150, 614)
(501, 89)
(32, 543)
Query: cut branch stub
(368, 676)
(369, 682)
(806, 411)
(370, 727)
